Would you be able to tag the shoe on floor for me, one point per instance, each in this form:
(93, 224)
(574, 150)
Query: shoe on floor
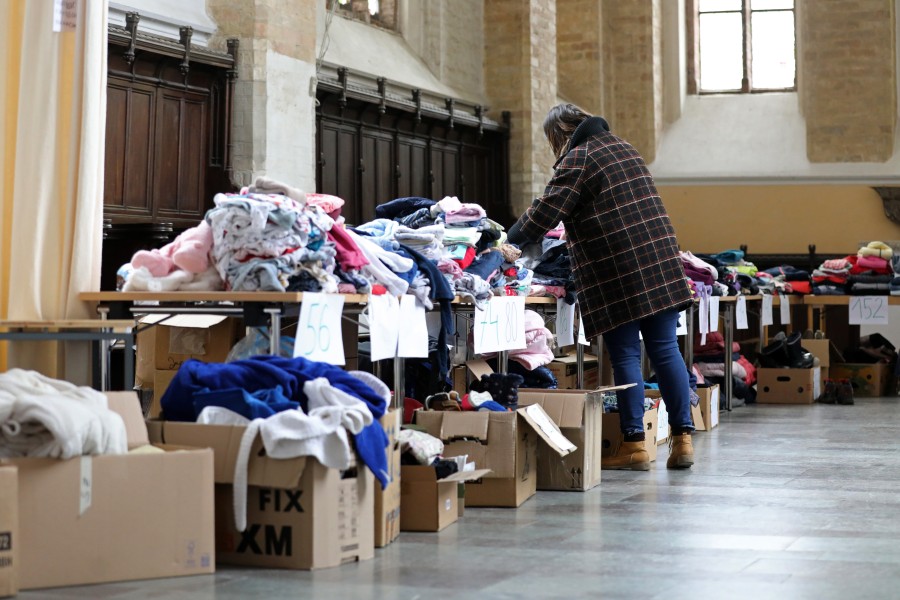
(845, 392)
(681, 452)
(829, 396)
(631, 456)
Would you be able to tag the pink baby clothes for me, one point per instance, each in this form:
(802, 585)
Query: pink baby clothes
(189, 252)
(465, 214)
(451, 268)
(326, 202)
(348, 254)
(873, 263)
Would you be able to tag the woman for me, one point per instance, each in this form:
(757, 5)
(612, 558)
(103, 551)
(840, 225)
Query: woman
(628, 275)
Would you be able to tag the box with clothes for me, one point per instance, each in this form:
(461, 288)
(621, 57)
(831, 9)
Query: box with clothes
(710, 399)
(82, 498)
(505, 442)
(295, 487)
(613, 438)
(430, 500)
(565, 369)
(387, 500)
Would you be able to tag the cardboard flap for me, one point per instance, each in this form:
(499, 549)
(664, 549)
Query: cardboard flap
(544, 426)
(430, 421)
(465, 425)
(462, 476)
(225, 440)
(417, 473)
(479, 367)
(128, 406)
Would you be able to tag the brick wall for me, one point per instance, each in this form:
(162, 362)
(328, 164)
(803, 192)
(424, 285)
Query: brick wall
(579, 48)
(848, 79)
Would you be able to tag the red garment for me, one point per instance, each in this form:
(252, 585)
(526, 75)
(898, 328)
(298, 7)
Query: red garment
(348, 254)
(801, 287)
(830, 279)
(378, 290)
(715, 344)
(858, 269)
(511, 272)
(750, 379)
(410, 406)
(467, 259)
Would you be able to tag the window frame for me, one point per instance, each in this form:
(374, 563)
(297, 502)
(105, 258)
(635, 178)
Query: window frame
(391, 23)
(693, 50)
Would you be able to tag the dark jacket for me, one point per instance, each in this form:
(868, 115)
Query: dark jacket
(622, 244)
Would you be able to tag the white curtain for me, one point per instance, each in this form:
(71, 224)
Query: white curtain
(52, 138)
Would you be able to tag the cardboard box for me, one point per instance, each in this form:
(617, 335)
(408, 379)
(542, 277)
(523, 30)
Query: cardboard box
(579, 415)
(178, 338)
(429, 503)
(662, 417)
(9, 531)
(821, 349)
(116, 518)
(710, 399)
(161, 381)
(565, 369)
(387, 501)
(868, 380)
(613, 438)
(459, 378)
(300, 514)
(788, 386)
(504, 442)
(145, 357)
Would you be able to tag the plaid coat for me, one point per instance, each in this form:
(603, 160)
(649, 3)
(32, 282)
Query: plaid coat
(621, 242)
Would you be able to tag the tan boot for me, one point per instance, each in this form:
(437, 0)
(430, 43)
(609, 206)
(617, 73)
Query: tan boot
(631, 456)
(681, 452)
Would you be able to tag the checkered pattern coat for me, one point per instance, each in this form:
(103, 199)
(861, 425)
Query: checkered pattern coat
(622, 244)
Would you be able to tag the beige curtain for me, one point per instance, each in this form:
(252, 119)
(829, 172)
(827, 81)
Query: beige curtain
(52, 138)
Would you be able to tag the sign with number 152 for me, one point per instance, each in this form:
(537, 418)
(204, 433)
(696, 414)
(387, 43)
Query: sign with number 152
(869, 310)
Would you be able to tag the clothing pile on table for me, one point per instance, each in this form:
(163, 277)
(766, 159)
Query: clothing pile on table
(709, 366)
(872, 271)
(531, 362)
(722, 274)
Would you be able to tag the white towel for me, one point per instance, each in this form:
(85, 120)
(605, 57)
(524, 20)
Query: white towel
(49, 418)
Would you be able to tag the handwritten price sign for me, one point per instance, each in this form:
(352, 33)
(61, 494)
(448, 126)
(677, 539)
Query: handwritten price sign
(319, 329)
(501, 325)
(565, 323)
(869, 310)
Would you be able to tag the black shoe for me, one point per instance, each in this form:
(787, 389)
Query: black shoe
(829, 396)
(775, 355)
(798, 356)
(845, 392)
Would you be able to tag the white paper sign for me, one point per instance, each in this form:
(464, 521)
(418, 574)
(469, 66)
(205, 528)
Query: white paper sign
(703, 317)
(565, 323)
(413, 342)
(714, 404)
(384, 326)
(662, 423)
(682, 324)
(766, 312)
(501, 325)
(714, 313)
(65, 15)
(741, 313)
(582, 339)
(319, 328)
(869, 310)
(785, 308)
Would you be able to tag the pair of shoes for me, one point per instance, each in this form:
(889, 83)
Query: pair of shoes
(630, 456)
(844, 392)
(829, 395)
(786, 352)
(681, 452)
(446, 401)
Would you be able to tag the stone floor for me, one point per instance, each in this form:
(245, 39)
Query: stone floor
(785, 502)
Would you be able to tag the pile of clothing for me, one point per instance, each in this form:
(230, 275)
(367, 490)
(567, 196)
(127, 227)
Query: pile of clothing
(723, 274)
(709, 366)
(872, 271)
(551, 266)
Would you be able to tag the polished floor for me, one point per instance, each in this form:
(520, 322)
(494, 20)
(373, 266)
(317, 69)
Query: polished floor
(786, 502)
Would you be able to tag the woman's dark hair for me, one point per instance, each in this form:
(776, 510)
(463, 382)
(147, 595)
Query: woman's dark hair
(560, 124)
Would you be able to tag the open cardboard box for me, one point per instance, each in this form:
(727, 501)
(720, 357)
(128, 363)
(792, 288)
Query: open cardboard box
(613, 438)
(387, 501)
(97, 519)
(565, 369)
(504, 442)
(709, 408)
(300, 514)
(9, 531)
(429, 503)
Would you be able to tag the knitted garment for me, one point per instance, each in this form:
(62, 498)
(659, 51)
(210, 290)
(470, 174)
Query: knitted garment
(510, 253)
(503, 387)
(48, 418)
(264, 185)
(877, 249)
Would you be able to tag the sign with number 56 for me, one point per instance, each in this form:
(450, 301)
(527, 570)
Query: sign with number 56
(319, 328)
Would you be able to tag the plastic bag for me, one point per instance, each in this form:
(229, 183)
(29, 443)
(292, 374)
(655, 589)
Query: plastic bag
(256, 343)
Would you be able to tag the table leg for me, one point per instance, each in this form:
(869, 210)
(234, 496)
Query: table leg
(689, 337)
(104, 353)
(129, 360)
(598, 349)
(399, 382)
(579, 364)
(729, 340)
(503, 361)
(274, 331)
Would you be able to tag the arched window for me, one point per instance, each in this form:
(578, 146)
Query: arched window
(741, 46)
(382, 13)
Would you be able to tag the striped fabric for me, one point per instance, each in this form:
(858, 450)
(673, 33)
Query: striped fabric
(622, 243)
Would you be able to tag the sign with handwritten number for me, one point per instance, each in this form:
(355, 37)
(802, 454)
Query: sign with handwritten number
(565, 323)
(765, 316)
(413, 341)
(384, 326)
(741, 313)
(500, 325)
(319, 328)
(869, 310)
(785, 308)
(714, 313)
(582, 338)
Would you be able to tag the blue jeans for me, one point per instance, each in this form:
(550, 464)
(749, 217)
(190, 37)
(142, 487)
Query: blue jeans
(661, 344)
